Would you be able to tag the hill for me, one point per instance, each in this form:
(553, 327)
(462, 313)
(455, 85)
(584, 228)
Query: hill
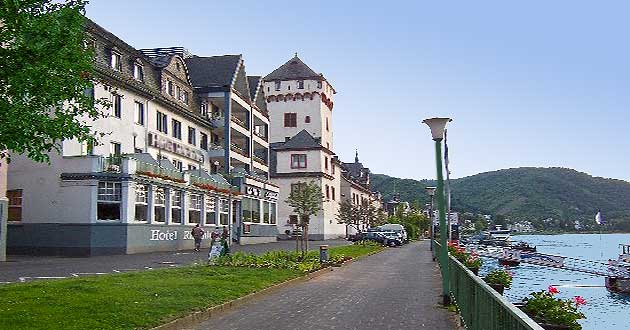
(526, 193)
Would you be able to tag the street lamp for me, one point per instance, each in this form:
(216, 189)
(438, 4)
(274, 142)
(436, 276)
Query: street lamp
(431, 192)
(437, 126)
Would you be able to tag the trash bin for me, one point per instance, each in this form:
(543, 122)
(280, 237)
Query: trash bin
(323, 253)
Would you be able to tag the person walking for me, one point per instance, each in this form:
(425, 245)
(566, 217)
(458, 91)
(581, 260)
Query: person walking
(197, 234)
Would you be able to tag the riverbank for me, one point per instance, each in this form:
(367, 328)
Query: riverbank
(136, 300)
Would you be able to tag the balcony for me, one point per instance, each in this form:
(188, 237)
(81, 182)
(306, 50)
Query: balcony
(259, 159)
(239, 150)
(239, 122)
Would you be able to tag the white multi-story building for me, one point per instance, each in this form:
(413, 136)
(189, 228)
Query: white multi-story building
(300, 105)
(151, 177)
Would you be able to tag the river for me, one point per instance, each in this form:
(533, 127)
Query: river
(604, 310)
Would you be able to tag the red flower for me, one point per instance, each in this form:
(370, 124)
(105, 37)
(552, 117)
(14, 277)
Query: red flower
(579, 301)
(552, 289)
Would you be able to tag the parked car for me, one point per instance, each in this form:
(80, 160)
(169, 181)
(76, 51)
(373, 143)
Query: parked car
(395, 227)
(392, 238)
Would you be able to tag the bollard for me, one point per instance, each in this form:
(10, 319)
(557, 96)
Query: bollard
(323, 253)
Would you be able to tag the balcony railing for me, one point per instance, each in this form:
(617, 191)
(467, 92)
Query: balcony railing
(261, 135)
(259, 159)
(158, 171)
(112, 163)
(236, 148)
(195, 179)
(480, 307)
(239, 122)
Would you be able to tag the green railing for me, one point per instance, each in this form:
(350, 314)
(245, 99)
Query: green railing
(151, 168)
(480, 307)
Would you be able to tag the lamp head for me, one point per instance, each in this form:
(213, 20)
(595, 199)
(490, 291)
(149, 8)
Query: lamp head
(437, 126)
(430, 190)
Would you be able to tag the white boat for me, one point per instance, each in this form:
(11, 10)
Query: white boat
(619, 280)
(498, 233)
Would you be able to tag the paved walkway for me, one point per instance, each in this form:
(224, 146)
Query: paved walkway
(26, 268)
(398, 288)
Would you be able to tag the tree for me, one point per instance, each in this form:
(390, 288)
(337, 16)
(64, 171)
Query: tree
(305, 201)
(47, 67)
(360, 215)
(349, 215)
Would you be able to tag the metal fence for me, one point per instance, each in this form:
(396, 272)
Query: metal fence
(480, 307)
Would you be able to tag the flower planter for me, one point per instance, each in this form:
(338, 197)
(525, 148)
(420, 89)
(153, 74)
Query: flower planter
(497, 287)
(554, 326)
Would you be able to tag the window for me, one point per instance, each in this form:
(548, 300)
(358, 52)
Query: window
(176, 206)
(224, 208)
(332, 192)
(293, 219)
(204, 141)
(169, 88)
(298, 161)
(307, 119)
(277, 85)
(203, 109)
(326, 123)
(178, 164)
(162, 122)
(139, 115)
(108, 200)
(290, 119)
(326, 163)
(246, 207)
(15, 204)
(327, 192)
(266, 212)
(192, 167)
(300, 84)
(141, 202)
(319, 84)
(194, 208)
(159, 202)
(192, 136)
(332, 167)
(138, 72)
(116, 61)
(114, 149)
(179, 92)
(185, 97)
(255, 211)
(211, 218)
(117, 106)
(272, 213)
(177, 129)
(295, 187)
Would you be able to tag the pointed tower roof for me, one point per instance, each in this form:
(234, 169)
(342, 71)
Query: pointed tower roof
(294, 69)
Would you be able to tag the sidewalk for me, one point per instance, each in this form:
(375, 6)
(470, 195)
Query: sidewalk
(28, 268)
(398, 288)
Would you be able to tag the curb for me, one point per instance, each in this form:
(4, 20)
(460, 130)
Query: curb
(197, 317)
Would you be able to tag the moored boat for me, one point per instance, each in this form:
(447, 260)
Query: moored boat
(619, 278)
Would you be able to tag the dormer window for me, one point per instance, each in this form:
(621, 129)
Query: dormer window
(319, 84)
(185, 97)
(300, 84)
(178, 66)
(203, 109)
(277, 85)
(179, 92)
(169, 88)
(116, 61)
(138, 72)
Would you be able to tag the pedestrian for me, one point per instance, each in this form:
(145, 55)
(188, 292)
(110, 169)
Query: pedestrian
(197, 234)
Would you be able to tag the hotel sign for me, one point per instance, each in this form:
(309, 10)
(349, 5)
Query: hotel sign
(176, 147)
(258, 192)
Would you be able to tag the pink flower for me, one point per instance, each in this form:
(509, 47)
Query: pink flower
(552, 289)
(579, 301)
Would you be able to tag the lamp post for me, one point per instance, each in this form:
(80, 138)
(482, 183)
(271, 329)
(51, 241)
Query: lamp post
(431, 192)
(437, 126)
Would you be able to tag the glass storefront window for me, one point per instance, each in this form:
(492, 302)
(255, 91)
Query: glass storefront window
(159, 205)
(246, 208)
(224, 208)
(211, 218)
(176, 206)
(141, 213)
(265, 212)
(108, 200)
(194, 208)
(255, 210)
(272, 214)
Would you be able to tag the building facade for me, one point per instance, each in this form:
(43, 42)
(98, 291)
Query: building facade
(154, 174)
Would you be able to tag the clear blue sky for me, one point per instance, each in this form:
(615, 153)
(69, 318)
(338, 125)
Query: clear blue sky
(540, 83)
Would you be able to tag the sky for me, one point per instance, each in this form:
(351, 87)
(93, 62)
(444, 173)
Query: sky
(536, 83)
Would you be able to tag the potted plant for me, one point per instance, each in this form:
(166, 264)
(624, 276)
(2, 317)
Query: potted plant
(554, 313)
(473, 262)
(499, 279)
(457, 252)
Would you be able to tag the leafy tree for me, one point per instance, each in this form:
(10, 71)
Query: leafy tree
(360, 215)
(46, 70)
(306, 201)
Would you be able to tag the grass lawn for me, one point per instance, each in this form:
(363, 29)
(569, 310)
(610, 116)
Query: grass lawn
(136, 300)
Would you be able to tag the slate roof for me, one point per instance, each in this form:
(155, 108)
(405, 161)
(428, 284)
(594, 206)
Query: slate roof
(292, 70)
(213, 71)
(253, 82)
(302, 140)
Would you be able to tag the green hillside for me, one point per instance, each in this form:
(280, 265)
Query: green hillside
(527, 193)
